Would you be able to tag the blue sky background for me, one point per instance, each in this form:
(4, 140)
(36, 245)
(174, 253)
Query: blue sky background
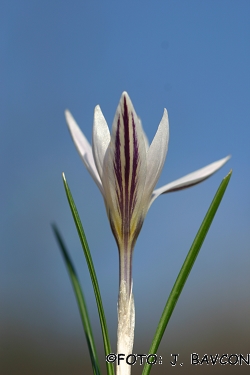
(191, 57)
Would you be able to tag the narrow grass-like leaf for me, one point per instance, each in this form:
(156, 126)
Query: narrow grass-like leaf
(80, 300)
(186, 268)
(79, 227)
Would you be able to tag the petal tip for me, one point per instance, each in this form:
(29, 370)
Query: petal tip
(224, 160)
(125, 96)
(164, 124)
(97, 113)
(165, 115)
(97, 108)
(67, 113)
(69, 117)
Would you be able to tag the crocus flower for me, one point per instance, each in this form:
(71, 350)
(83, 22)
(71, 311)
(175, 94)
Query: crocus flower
(126, 169)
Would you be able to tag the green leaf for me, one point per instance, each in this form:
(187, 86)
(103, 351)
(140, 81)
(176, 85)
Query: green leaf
(79, 227)
(186, 268)
(80, 300)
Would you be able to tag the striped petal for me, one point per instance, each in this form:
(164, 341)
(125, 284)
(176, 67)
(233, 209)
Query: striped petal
(83, 147)
(124, 175)
(190, 179)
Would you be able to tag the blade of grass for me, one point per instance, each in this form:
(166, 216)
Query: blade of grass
(80, 300)
(186, 268)
(81, 233)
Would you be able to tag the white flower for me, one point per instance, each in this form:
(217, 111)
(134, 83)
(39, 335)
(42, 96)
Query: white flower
(126, 169)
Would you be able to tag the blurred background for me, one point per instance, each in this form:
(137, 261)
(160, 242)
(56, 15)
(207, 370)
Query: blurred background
(191, 57)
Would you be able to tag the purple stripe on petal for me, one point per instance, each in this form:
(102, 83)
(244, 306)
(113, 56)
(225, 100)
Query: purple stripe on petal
(130, 175)
(126, 166)
(126, 143)
(126, 218)
(125, 175)
(125, 183)
(118, 169)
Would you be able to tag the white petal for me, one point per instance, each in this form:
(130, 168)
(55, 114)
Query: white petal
(156, 154)
(100, 140)
(144, 136)
(83, 147)
(190, 179)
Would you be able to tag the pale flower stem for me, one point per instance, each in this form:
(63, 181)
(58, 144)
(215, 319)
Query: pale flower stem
(125, 268)
(126, 314)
